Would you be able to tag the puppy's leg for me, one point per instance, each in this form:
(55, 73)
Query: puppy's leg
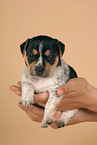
(65, 118)
(27, 94)
(50, 109)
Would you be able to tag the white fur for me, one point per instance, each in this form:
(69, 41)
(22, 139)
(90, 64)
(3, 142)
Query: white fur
(40, 52)
(31, 84)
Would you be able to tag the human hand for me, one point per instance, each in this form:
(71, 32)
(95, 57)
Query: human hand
(78, 93)
(36, 113)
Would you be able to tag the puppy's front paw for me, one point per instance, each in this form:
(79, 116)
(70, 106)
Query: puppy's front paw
(59, 123)
(45, 123)
(26, 102)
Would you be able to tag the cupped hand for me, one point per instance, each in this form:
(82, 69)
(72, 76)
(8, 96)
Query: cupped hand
(69, 101)
(77, 93)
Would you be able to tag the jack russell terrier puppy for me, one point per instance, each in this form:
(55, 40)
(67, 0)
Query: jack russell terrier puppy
(45, 71)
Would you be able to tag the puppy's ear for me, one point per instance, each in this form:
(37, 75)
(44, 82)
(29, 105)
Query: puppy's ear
(23, 47)
(61, 47)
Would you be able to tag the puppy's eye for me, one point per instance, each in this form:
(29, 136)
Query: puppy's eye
(31, 55)
(50, 56)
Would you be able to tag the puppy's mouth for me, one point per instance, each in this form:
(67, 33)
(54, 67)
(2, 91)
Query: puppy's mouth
(39, 71)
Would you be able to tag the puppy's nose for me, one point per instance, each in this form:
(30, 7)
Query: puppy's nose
(39, 70)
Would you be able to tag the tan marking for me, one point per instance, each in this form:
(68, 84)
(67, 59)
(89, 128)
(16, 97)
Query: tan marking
(30, 66)
(50, 68)
(35, 52)
(47, 53)
(60, 51)
(26, 59)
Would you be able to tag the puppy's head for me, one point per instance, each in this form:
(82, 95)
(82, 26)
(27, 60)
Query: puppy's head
(42, 55)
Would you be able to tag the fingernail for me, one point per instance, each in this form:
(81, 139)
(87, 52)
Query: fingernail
(60, 92)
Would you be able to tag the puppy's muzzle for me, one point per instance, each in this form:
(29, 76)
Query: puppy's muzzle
(39, 70)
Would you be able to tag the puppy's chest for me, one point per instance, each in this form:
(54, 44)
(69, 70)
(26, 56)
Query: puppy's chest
(48, 84)
(43, 84)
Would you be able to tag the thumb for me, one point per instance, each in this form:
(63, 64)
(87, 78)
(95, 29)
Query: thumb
(70, 86)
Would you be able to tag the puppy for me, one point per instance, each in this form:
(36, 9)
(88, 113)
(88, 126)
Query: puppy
(45, 71)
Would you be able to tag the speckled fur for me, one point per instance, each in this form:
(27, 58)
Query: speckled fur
(31, 84)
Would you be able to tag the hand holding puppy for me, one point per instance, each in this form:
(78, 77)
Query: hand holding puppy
(78, 94)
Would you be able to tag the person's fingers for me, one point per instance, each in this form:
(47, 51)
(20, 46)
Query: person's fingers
(16, 89)
(19, 83)
(33, 116)
(18, 92)
(35, 113)
(53, 125)
(69, 104)
(70, 86)
(82, 115)
(41, 98)
(36, 110)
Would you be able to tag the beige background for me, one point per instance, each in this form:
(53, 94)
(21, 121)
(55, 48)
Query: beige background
(74, 22)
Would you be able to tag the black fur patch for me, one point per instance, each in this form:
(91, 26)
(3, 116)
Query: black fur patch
(72, 73)
(48, 44)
